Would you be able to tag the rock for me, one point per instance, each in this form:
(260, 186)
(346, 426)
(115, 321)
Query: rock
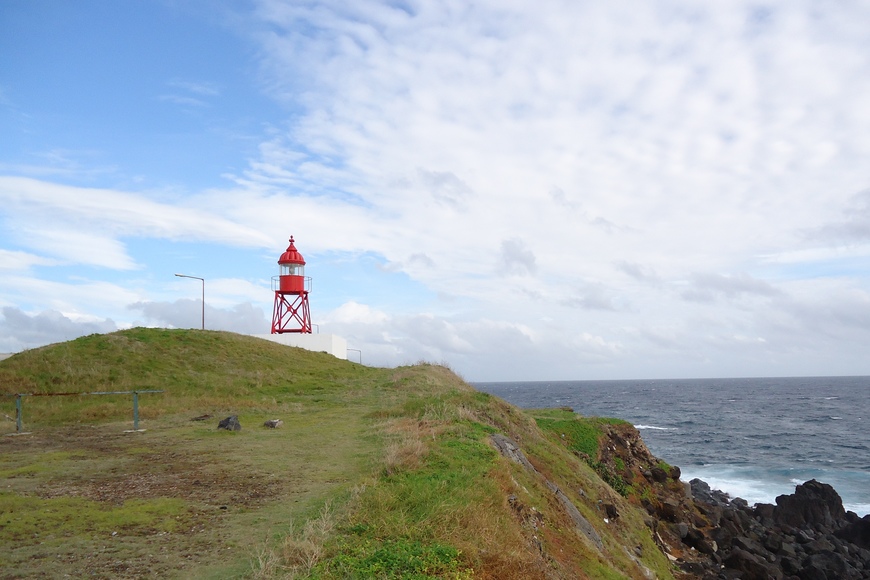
(658, 474)
(827, 566)
(857, 532)
(582, 523)
(695, 539)
(696, 569)
(507, 447)
(750, 546)
(787, 550)
(751, 566)
(682, 530)
(807, 535)
(669, 511)
(820, 545)
(790, 565)
(764, 510)
(273, 423)
(231, 423)
(773, 542)
(813, 504)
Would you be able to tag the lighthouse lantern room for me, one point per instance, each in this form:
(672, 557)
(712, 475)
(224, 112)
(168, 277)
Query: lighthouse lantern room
(291, 312)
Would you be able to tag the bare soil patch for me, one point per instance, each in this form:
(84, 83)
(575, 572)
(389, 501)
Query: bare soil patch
(226, 484)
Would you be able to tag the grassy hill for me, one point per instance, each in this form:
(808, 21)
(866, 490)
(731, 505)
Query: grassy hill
(375, 473)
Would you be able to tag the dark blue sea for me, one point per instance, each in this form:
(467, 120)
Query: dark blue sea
(751, 438)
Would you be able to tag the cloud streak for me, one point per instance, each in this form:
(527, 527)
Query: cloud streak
(639, 189)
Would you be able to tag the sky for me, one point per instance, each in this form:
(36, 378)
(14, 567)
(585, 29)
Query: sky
(548, 190)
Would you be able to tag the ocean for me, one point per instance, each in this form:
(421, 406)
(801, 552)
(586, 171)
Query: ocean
(751, 438)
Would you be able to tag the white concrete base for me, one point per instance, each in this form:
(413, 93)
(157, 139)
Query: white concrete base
(328, 343)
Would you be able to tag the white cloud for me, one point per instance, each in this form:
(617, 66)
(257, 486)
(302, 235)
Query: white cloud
(647, 188)
(13, 260)
(39, 205)
(19, 330)
(243, 318)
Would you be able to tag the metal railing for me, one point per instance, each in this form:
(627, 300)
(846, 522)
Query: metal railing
(19, 418)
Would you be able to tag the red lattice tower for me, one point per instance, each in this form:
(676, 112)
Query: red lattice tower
(291, 313)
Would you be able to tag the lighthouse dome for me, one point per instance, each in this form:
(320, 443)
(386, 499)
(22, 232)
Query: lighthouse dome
(292, 255)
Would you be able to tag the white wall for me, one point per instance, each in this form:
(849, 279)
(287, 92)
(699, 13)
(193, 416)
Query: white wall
(330, 343)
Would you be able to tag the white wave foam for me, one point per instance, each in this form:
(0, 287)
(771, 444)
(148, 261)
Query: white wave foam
(861, 509)
(655, 428)
(756, 486)
(753, 490)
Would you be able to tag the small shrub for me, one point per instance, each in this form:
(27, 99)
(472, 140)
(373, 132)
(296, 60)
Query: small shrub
(613, 480)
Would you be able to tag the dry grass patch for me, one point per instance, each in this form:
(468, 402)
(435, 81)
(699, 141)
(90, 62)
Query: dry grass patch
(406, 446)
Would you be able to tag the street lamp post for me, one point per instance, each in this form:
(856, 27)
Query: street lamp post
(203, 294)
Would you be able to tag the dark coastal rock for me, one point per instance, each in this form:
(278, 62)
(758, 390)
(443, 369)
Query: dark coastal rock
(231, 423)
(658, 475)
(807, 535)
(669, 511)
(694, 538)
(828, 566)
(856, 532)
(813, 504)
(751, 566)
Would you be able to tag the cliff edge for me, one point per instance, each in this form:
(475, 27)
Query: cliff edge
(336, 470)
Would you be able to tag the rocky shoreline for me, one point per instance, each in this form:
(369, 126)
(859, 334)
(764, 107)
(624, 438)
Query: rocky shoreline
(807, 535)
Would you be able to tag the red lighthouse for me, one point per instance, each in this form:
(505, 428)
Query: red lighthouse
(291, 294)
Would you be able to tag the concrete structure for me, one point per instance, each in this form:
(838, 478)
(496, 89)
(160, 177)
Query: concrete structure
(328, 343)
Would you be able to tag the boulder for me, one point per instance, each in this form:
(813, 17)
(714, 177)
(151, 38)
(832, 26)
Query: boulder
(827, 566)
(273, 423)
(658, 474)
(857, 532)
(751, 567)
(813, 504)
(695, 539)
(231, 423)
(669, 511)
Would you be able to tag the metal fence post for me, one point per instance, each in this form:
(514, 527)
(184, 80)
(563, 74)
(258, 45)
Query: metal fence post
(18, 425)
(135, 410)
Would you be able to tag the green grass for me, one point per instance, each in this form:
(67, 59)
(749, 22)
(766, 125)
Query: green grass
(582, 434)
(402, 558)
(384, 473)
(33, 519)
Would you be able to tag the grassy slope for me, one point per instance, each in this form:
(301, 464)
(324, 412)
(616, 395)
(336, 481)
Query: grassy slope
(375, 472)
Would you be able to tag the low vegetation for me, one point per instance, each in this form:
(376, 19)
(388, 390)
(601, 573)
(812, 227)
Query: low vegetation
(375, 473)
